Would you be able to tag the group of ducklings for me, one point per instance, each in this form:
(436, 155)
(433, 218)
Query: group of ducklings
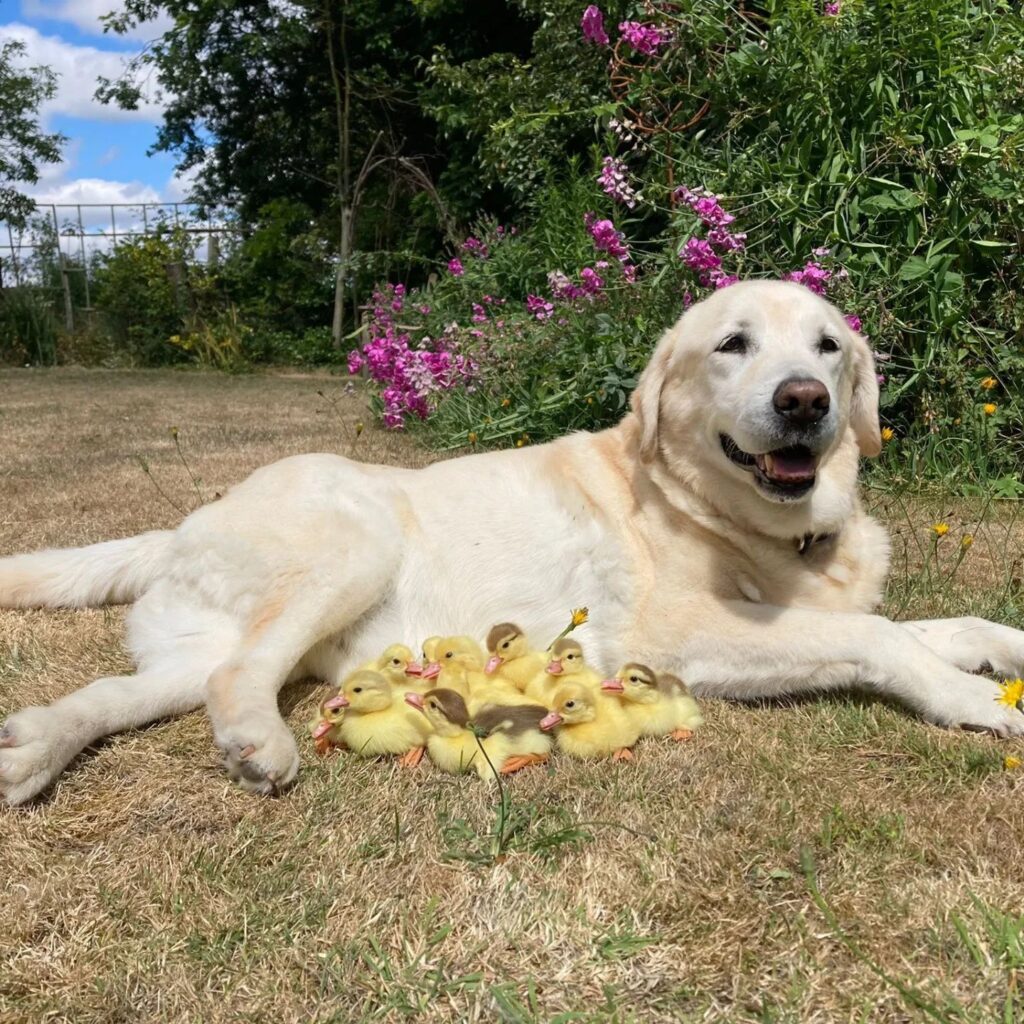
(496, 712)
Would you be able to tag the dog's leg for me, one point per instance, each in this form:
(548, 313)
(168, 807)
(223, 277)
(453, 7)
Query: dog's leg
(37, 743)
(975, 645)
(762, 651)
(259, 749)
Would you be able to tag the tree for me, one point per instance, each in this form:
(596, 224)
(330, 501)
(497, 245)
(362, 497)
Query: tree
(318, 102)
(23, 144)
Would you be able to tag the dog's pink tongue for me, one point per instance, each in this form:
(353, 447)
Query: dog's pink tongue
(789, 467)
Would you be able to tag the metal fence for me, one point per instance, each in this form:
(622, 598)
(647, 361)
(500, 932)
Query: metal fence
(74, 233)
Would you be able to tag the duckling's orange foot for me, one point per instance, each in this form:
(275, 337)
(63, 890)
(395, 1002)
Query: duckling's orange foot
(412, 758)
(625, 754)
(515, 764)
(681, 735)
(324, 745)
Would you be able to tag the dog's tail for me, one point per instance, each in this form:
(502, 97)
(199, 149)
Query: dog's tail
(114, 572)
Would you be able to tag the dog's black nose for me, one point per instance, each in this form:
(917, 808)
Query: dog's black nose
(802, 402)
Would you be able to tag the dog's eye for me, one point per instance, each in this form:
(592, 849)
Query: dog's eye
(828, 344)
(734, 343)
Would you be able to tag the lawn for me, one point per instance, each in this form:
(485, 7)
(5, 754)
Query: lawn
(828, 860)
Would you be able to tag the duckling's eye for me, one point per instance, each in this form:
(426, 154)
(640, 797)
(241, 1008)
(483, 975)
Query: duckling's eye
(570, 704)
(504, 646)
(634, 679)
(358, 689)
(433, 705)
(396, 661)
(450, 654)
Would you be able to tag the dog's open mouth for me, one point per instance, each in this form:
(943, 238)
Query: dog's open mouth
(785, 473)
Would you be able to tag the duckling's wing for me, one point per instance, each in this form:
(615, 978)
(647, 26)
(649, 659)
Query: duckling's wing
(511, 719)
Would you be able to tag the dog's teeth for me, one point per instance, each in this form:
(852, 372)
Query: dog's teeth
(769, 462)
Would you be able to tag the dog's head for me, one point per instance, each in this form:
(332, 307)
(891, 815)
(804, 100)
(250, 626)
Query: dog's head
(764, 395)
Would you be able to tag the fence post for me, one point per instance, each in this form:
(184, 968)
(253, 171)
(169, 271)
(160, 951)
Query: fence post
(212, 250)
(65, 283)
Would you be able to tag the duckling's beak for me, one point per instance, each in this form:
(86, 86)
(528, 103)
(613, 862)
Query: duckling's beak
(432, 671)
(341, 701)
(548, 722)
(614, 685)
(414, 668)
(492, 664)
(554, 667)
(414, 700)
(322, 729)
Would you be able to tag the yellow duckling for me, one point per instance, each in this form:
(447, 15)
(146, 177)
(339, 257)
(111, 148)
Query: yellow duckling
(591, 724)
(458, 664)
(325, 728)
(566, 665)
(397, 664)
(378, 721)
(511, 657)
(658, 705)
(509, 736)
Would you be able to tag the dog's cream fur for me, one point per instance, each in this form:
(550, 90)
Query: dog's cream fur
(315, 563)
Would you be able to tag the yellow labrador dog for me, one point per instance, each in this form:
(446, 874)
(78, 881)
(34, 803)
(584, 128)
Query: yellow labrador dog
(716, 533)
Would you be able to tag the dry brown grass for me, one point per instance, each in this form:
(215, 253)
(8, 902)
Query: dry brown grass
(145, 887)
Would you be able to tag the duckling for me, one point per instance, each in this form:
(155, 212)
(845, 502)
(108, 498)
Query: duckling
(397, 664)
(325, 728)
(566, 665)
(378, 721)
(459, 665)
(511, 656)
(658, 705)
(509, 737)
(590, 724)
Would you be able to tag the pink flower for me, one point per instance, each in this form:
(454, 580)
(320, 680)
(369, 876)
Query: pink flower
(645, 39)
(853, 321)
(592, 24)
(455, 267)
(629, 272)
(720, 280)
(727, 241)
(687, 300)
(424, 310)
(813, 276)
(475, 248)
(355, 361)
(613, 180)
(479, 314)
(831, 10)
(590, 281)
(706, 206)
(607, 239)
(697, 254)
(538, 307)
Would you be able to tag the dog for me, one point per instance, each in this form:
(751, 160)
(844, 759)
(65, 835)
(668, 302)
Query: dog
(715, 532)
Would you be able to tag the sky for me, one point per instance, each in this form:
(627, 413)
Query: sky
(105, 158)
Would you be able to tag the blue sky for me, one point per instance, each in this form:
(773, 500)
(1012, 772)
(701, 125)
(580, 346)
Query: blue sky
(105, 158)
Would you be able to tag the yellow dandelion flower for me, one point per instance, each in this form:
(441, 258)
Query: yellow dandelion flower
(506, 402)
(989, 383)
(966, 540)
(888, 434)
(989, 408)
(472, 437)
(940, 529)
(1010, 762)
(580, 615)
(1013, 692)
(520, 443)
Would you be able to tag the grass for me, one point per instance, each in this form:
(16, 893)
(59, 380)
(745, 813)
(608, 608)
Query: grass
(825, 860)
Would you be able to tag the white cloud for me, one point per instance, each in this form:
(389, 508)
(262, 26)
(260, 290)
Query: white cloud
(78, 67)
(86, 14)
(179, 187)
(96, 190)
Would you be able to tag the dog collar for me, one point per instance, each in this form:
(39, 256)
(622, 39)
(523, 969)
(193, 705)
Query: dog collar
(812, 540)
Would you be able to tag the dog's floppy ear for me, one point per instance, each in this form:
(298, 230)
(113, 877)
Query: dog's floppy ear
(646, 399)
(864, 404)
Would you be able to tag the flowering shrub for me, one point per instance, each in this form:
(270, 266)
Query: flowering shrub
(846, 143)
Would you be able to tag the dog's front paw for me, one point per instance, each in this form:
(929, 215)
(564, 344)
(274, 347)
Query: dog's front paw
(974, 703)
(260, 754)
(35, 745)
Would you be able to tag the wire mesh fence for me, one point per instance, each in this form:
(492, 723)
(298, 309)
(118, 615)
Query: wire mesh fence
(61, 244)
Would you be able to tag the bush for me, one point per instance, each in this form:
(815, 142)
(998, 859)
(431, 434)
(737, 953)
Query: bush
(28, 327)
(874, 153)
